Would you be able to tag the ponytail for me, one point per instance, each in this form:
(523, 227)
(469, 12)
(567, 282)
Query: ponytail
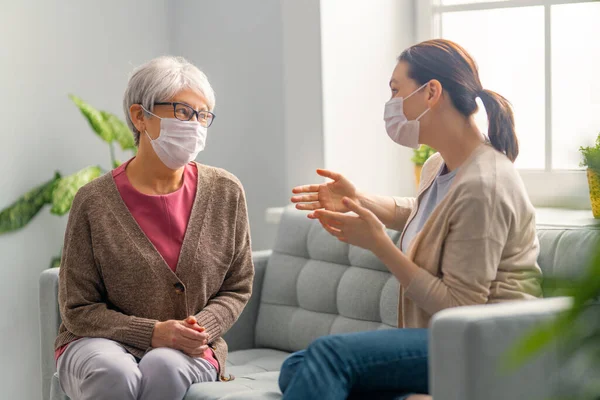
(501, 126)
(457, 72)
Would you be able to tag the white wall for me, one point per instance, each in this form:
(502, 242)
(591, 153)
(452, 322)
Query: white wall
(238, 44)
(303, 92)
(360, 44)
(299, 84)
(47, 50)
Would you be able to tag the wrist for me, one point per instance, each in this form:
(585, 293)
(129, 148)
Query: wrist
(384, 247)
(155, 341)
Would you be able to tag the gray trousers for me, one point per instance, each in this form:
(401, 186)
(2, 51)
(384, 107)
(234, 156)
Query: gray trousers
(93, 368)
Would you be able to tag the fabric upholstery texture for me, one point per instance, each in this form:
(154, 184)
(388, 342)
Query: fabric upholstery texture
(312, 285)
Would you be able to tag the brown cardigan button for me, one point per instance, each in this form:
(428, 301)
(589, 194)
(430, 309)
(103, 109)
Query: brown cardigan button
(179, 288)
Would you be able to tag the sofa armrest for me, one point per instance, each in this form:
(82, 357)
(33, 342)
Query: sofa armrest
(467, 344)
(49, 324)
(242, 334)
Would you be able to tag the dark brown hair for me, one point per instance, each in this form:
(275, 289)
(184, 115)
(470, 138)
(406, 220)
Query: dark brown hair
(456, 70)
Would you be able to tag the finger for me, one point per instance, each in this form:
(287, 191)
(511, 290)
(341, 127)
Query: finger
(189, 333)
(199, 352)
(198, 328)
(309, 206)
(306, 198)
(330, 222)
(196, 336)
(306, 189)
(329, 174)
(192, 323)
(333, 231)
(353, 206)
(196, 352)
(195, 327)
(183, 343)
(332, 216)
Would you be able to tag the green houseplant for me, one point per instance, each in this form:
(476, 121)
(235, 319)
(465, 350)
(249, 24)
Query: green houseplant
(591, 160)
(59, 191)
(419, 157)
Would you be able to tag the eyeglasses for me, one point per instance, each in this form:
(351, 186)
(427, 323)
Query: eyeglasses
(184, 112)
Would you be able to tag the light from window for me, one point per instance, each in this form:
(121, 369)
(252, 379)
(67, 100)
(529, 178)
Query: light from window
(509, 44)
(454, 2)
(506, 45)
(575, 81)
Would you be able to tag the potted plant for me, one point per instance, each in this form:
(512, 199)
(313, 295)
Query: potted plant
(421, 155)
(591, 160)
(60, 191)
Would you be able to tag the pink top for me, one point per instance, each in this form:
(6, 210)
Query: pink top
(163, 218)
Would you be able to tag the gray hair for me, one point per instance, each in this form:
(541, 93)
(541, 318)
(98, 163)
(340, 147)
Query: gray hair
(159, 80)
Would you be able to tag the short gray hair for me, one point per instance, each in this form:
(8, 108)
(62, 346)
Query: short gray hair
(159, 80)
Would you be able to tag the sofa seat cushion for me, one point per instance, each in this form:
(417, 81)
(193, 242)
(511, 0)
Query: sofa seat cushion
(256, 374)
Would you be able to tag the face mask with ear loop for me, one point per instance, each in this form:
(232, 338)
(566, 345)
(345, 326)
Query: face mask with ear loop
(179, 142)
(398, 127)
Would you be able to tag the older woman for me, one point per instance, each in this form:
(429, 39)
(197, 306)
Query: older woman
(157, 259)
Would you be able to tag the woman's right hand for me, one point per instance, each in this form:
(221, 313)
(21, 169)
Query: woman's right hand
(327, 195)
(180, 335)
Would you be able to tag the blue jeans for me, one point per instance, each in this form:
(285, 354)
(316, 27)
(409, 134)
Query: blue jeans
(387, 364)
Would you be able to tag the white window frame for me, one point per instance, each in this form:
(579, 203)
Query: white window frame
(548, 187)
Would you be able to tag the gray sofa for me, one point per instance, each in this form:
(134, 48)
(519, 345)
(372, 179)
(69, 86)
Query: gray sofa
(311, 285)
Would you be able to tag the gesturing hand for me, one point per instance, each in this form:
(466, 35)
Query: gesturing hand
(362, 229)
(326, 196)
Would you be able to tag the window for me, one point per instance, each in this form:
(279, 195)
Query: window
(544, 56)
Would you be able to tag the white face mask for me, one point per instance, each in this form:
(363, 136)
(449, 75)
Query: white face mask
(179, 141)
(398, 127)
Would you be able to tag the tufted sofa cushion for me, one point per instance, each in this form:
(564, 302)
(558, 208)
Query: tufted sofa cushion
(315, 285)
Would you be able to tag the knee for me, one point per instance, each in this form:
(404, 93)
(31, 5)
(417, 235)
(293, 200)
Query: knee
(112, 377)
(165, 374)
(331, 351)
(289, 368)
(160, 362)
(325, 347)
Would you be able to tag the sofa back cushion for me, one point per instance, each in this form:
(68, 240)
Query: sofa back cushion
(566, 252)
(315, 285)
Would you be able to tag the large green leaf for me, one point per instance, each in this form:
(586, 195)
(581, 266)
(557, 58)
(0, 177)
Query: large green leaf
(55, 262)
(95, 118)
(535, 341)
(18, 214)
(120, 131)
(65, 191)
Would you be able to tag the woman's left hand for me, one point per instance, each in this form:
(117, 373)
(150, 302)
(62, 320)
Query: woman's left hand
(362, 230)
(192, 323)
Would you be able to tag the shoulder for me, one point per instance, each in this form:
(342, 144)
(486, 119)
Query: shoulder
(93, 190)
(221, 179)
(485, 169)
(490, 180)
(432, 166)
(91, 196)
